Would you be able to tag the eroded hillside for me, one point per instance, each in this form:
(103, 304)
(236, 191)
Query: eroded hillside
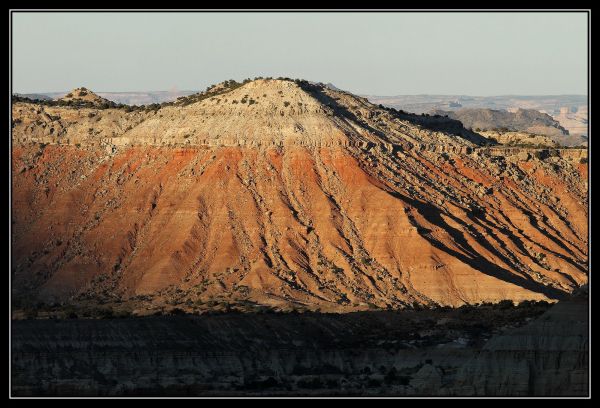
(289, 195)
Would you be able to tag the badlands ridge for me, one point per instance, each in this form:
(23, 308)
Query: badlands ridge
(285, 194)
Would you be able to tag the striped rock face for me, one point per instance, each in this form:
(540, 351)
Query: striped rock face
(288, 195)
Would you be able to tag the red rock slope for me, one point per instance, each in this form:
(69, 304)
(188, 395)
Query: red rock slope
(305, 198)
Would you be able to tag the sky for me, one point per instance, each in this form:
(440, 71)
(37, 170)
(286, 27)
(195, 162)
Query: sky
(365, 53)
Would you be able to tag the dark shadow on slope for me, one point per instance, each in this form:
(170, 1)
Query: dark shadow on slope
(478, 262)
(443, 124)
(436, 123)
(341, 111)
(518, 242)
(534, 224)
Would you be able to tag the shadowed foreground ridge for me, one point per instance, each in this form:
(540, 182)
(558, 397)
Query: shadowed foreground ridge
(288, 195)
(427, 352)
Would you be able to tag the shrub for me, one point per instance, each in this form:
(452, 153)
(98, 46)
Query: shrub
(336, 269)
(505, 304)
(177, 312)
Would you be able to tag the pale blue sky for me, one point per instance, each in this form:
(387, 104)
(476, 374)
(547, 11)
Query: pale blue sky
(365, 53)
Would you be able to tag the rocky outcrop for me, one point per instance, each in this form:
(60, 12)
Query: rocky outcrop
(549, 356)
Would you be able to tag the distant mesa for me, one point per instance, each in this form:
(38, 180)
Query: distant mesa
(530, 121)
(519, 120)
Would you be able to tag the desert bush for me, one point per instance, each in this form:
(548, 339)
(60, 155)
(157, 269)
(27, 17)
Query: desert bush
(505, 304)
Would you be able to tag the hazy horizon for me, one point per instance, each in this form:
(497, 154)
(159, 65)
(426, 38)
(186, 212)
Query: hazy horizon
(383, 96)
(484, 54)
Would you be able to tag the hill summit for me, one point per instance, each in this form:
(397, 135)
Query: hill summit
(276, 112)
(84, 95)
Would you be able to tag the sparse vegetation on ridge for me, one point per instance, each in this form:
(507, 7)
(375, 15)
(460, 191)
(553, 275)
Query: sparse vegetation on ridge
(69, 103)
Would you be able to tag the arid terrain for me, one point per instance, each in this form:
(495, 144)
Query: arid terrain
(279, 237)
(287, 195)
